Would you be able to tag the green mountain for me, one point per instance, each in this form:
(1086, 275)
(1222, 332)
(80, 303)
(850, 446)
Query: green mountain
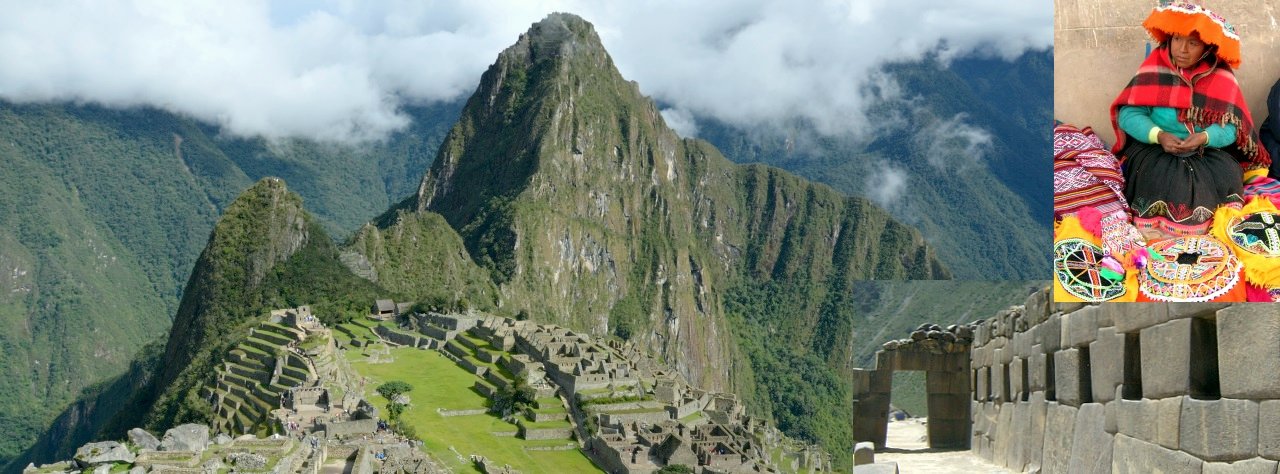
(103, 213)
(559, 194)
(586, 210)
(986, 209)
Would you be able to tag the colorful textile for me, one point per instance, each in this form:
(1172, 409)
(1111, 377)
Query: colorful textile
(1193, 269)
(1085, 173)
(1208, 94)
(1176, 194)
(1265, 186)
(1258, 294)
(1253, 235)
(1079, 274)
(1184, 18)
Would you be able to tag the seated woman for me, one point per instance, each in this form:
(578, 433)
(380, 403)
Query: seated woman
(1183, 129)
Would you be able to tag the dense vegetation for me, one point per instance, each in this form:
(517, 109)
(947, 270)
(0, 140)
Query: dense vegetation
(103, 213)
(960, 202)
(563, 199)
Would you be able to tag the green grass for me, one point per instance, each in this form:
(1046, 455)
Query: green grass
(359, 331)
(535, 425)
(439, 383)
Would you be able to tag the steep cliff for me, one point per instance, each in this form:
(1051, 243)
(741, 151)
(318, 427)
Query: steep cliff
(586, 210)
(265, 252)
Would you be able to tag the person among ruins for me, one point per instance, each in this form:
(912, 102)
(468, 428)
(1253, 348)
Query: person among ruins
(1183, 130)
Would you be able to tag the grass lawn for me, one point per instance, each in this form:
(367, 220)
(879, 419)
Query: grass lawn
(439, 383)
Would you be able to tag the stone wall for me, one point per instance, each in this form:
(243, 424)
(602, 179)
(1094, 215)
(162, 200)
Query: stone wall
(1128, 387)
(343, 429)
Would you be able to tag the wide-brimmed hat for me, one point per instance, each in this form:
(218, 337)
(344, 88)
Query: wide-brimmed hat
(1182, 18)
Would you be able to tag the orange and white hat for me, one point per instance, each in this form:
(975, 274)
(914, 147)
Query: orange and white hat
(1183, 18)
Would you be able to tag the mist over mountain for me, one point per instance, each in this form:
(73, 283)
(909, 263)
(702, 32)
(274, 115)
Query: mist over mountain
(560, 191)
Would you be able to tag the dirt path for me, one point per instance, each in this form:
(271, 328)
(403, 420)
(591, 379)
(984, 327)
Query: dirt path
(908, 446)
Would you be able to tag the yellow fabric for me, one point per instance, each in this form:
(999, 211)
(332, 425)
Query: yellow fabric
(1069, 228)
(1260, 270)
(1255, 173)
(1154, 135)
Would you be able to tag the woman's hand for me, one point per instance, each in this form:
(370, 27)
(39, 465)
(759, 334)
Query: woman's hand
(1196, 140)
(1170, 143)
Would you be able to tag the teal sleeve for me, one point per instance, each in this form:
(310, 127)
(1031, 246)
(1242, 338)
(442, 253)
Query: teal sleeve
(1221, 135)
(1136, 121)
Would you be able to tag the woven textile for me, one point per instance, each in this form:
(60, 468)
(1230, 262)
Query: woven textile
(1085, 173)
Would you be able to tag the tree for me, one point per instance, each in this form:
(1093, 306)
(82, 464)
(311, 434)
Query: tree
(513, 398)
(392, 389)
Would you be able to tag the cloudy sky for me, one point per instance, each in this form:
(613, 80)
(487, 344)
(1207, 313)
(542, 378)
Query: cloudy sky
(340, 69)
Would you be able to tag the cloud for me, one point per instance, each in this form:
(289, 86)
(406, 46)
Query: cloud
(886, 185)
(950, 143)
(340, 70)
(681, 121)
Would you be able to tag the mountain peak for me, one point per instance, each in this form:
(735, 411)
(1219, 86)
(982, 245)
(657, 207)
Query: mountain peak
(558, 35)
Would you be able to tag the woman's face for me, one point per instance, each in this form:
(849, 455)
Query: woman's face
(1186, 50)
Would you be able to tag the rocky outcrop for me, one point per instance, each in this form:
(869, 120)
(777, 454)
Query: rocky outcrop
(188, 437)
(586, 210)
(106, 452)
(143, 439)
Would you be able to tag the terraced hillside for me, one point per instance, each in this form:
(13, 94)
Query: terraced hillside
(254, 376)
(586, 397)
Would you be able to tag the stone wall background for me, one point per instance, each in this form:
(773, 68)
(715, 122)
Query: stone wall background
(1128, 387)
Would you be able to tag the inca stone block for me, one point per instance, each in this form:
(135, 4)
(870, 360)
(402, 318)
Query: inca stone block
(1168, 416)
(1219, 430)
(1106, 364)
(1036, 369)
(1022, 343)
(1136, 418)
(1067, 307)
(1249, 345)
(1016, 383)
(999, 383)
(1037, 307)
(1166, 359)
(1059, 431)
(1091, 444)
(1190, 310)
(982, 384)
(1049, 334)
(1269, 429)
(864, 453)
(877, 468)
(948, 406)
(1080, 327)
(1068, 383)
(1133, 456)
(1133, 317)
(1019, 424)
(1033, 442)
(1110, 409)
(1248, 466)
(1004, 437)
(947, 382)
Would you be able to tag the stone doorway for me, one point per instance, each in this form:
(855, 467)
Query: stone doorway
(944, 357)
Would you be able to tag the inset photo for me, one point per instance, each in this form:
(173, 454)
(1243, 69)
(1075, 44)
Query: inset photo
(1166, 121)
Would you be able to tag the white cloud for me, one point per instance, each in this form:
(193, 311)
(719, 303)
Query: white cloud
(339, 69)
(951, 144)
(886, 185)
(681, 121)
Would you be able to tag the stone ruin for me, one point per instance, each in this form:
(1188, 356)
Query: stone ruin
(1128, 387)
(944, 357)
(662, 419)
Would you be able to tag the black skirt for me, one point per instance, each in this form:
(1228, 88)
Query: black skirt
(1184, 190)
